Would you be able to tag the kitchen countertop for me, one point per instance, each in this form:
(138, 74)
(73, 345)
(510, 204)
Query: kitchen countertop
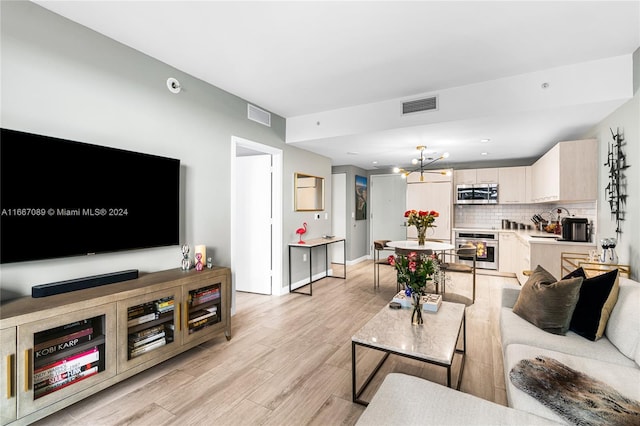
(528, 236)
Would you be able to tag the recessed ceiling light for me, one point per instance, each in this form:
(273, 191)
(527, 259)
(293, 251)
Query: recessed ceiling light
(352, 153)
(485, 140)
(484, 153)
(374, 162)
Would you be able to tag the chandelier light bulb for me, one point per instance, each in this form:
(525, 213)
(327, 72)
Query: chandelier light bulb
(445, 155)
(414, 161)
(396, 170)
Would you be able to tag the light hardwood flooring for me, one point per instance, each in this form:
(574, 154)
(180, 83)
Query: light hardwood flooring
(289, 361)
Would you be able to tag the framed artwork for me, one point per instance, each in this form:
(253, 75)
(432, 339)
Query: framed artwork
(361, 198)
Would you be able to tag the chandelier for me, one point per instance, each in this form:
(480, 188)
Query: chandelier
(424, 162)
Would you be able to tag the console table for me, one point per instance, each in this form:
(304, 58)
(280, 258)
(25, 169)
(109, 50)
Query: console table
(310, 244)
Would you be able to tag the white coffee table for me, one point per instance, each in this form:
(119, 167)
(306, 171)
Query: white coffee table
(434, 342)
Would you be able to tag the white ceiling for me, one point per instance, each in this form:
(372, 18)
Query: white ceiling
(303, 60)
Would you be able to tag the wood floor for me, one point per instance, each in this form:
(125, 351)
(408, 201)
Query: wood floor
(289, 361)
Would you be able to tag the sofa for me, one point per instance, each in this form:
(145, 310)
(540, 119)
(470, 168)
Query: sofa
(613, 359)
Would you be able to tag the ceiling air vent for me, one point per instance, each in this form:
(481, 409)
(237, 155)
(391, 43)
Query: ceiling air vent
(258, 115)
(420, 105)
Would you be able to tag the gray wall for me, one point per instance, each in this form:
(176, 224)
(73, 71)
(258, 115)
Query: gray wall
(357, 230)
(627, 119)
(63, 80)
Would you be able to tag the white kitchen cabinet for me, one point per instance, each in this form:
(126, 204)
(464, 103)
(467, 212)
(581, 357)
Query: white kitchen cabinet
(512, 185)
(473, 176)
(489, 175)
(507, 253)
(567, 172)
(464, 177)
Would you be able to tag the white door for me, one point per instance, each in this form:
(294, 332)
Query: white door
(388, 204)
(338, 215)
(253, 219)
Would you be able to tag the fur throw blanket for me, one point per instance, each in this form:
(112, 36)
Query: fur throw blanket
(574, 396)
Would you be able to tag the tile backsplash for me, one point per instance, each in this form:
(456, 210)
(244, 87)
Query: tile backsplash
(490, 216)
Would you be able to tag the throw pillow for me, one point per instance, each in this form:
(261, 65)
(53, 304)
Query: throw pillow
(546, 303)
(598, 296)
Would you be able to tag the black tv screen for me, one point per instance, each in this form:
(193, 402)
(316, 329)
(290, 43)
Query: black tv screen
(62, 198)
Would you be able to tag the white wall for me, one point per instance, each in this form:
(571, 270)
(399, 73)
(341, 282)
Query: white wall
(627, 119)
(63, 80)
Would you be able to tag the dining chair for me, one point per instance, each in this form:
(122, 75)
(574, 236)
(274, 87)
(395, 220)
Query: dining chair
(467, 251)
(379, 246)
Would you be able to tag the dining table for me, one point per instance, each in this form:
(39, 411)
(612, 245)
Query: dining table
(414, 246)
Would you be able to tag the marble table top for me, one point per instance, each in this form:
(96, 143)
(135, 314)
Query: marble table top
(435, 340)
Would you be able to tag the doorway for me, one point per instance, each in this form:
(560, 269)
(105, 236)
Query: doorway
(256, 217)
(388, 204)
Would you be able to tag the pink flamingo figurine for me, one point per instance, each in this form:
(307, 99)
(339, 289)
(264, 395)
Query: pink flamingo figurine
(301, 231)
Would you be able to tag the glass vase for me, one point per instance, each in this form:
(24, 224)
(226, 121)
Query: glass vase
(416, 316)
(421, 233)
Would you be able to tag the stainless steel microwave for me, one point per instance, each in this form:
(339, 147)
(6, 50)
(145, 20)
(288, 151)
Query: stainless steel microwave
(482, 193)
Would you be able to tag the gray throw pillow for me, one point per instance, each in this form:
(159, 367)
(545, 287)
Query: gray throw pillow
(546, 303)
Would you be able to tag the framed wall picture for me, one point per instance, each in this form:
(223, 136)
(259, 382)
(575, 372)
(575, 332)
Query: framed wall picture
(361, 198)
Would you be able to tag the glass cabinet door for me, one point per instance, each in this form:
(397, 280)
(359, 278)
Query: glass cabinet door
(148, 326)
(203, 313)
(59, 356)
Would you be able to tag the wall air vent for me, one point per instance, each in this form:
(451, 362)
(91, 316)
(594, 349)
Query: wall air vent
(258, 115)
(420, 105)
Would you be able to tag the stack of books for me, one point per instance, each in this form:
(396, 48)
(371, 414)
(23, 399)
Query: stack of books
(62, 357)
(202, 318)
(146, 340)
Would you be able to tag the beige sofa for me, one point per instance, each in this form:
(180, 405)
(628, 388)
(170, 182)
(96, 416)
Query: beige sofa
(613, 359)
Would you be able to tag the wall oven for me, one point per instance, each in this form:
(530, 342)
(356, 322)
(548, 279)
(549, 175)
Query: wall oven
(486, 245)
(485, 193)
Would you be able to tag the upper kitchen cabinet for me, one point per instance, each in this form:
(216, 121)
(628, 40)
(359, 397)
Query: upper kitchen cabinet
(567, 172)
(514, 185)
(473, 176)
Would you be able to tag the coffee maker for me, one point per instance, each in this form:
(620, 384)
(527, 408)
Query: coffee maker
(576, 229)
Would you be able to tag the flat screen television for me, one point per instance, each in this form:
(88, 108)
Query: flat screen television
(61, 198)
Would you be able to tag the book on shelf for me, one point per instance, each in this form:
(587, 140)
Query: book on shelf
(142, 319)
(141, 310)
(431, 302)
(200, 315)
(72, 379)
(204, 324)
(41, 338)
(66, 364)
(60, 343)
(65, 375)
(166, 309)
(203, 296)
(146, 332)
(200, 323)
(148, 339)
(147, 347)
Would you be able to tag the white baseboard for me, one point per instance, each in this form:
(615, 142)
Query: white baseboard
(358, 260)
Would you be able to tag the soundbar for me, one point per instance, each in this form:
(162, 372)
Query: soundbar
(49, 289)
